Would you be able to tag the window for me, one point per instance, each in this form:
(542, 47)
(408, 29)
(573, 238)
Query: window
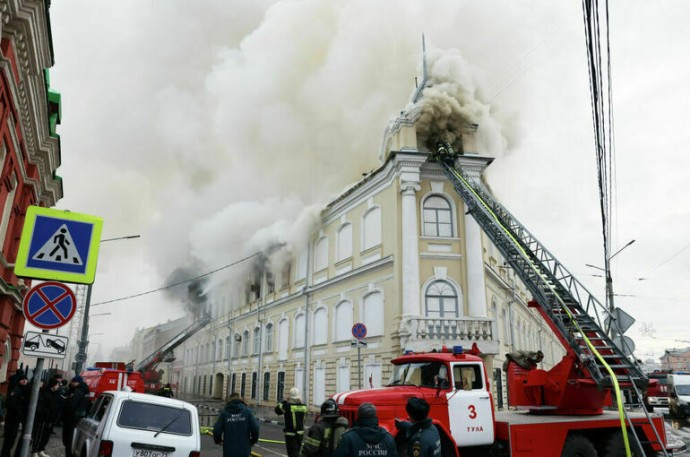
(280, 386)
(371, 228)
(228, 342)
(245, 343)
(255, 384)
(468, 377)
(299, 331)
(343, 321)
(441, 300)
(320, 326)
(301, 266)
(373, 313)
(321, 254)
(219, 350)
(257, 341)
(437, 217)
(149, 416)
(9, 202)
(319, 394)
(344, 242)
(343, 379)
(267, 386)
(233, 383)
(237, 343)
(269, 339)
(243, 384)
(283, 337)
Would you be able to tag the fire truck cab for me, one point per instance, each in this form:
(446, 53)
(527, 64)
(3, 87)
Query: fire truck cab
(111, 376)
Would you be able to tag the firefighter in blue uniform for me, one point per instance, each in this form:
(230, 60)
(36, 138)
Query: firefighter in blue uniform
(236, 428)
(421, 436)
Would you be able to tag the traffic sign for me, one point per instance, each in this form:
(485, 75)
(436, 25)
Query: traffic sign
(359, 330)
(44, 345)
(59, 245)
(49, 305)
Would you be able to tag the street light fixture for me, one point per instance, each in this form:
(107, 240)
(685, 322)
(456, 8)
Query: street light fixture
(80, 357)
(609, 284)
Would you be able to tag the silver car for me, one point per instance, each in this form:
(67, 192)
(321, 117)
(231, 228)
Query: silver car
(129, 424)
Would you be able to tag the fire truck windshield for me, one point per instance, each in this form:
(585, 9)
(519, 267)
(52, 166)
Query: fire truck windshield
(421, 374)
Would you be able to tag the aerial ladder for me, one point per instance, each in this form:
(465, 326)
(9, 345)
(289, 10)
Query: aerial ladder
(165, 353)
(594, 365)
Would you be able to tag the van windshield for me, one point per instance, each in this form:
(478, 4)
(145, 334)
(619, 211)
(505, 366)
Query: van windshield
(683, 389)
(153, 417)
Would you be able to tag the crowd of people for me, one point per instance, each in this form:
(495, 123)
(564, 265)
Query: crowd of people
(330, 436)
(59, 403)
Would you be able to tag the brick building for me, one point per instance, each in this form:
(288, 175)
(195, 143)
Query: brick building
(29, 151)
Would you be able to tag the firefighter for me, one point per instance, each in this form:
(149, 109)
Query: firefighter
(366, 437)
(323, 437)
(166, 391)
(293, 411)
(236, 428)
(17, 405)
(421, 436)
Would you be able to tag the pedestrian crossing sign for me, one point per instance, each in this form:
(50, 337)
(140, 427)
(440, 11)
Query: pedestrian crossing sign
(59, 245)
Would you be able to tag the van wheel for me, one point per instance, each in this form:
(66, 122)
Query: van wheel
(578, 446)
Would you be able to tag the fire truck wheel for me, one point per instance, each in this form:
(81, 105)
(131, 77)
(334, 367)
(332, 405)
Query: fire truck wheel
(616, 447)
(578, 446)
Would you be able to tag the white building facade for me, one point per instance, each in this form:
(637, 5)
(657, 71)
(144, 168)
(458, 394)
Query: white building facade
(396, 252)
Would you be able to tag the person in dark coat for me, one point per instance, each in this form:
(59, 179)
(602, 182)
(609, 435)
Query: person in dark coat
(366, 437)
(422, 438)
(166, 391)
(293, 412)
(46, 408)
(323, 437)
(74, 408)
(236, 428)
(17, 406)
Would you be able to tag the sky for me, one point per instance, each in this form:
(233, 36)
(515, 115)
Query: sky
(215, 129)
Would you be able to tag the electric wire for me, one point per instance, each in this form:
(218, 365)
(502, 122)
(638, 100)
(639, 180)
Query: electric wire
(185, 281)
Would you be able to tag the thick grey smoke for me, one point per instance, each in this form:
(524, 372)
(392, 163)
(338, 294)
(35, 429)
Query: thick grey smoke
(451, 102)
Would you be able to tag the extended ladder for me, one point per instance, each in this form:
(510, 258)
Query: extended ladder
(569, 308)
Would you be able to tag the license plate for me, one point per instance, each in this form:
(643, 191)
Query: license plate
(149, 453)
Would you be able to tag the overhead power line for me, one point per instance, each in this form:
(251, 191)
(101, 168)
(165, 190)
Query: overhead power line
(170, 286)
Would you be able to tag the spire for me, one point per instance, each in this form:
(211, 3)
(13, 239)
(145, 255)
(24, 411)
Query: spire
(418, 92)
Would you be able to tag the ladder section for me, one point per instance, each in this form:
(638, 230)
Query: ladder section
(563, 301)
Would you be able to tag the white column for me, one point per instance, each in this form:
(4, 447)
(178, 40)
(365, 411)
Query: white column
(476, 294)
(410, 248)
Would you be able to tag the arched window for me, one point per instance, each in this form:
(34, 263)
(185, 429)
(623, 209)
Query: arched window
(320, 326)
(343, 321)
(372, 315)
(301, 265)
(437, 216)
(321, 254)
(441, 300)
(371, 228)
(237, 343)
(299, 331)
(257, 341)
(344, 242)
(283, 338)
(245, 343)
(269, 338)
(504, 328)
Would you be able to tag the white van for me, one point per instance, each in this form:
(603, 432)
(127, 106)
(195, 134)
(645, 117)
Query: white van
(679, 396)
(130, 424)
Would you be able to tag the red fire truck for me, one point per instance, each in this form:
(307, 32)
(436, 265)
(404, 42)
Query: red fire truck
(559, 412)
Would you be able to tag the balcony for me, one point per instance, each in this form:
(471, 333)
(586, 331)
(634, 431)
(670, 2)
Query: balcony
(421, 333)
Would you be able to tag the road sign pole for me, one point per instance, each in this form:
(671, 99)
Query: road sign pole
(359, 364)
(33, 401)
(80, 358)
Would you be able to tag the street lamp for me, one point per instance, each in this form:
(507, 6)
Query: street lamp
(80, 357)
(609, 285)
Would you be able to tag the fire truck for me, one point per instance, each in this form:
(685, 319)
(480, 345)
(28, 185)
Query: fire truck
(560, 412)
(657, 391)
(148, 366)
